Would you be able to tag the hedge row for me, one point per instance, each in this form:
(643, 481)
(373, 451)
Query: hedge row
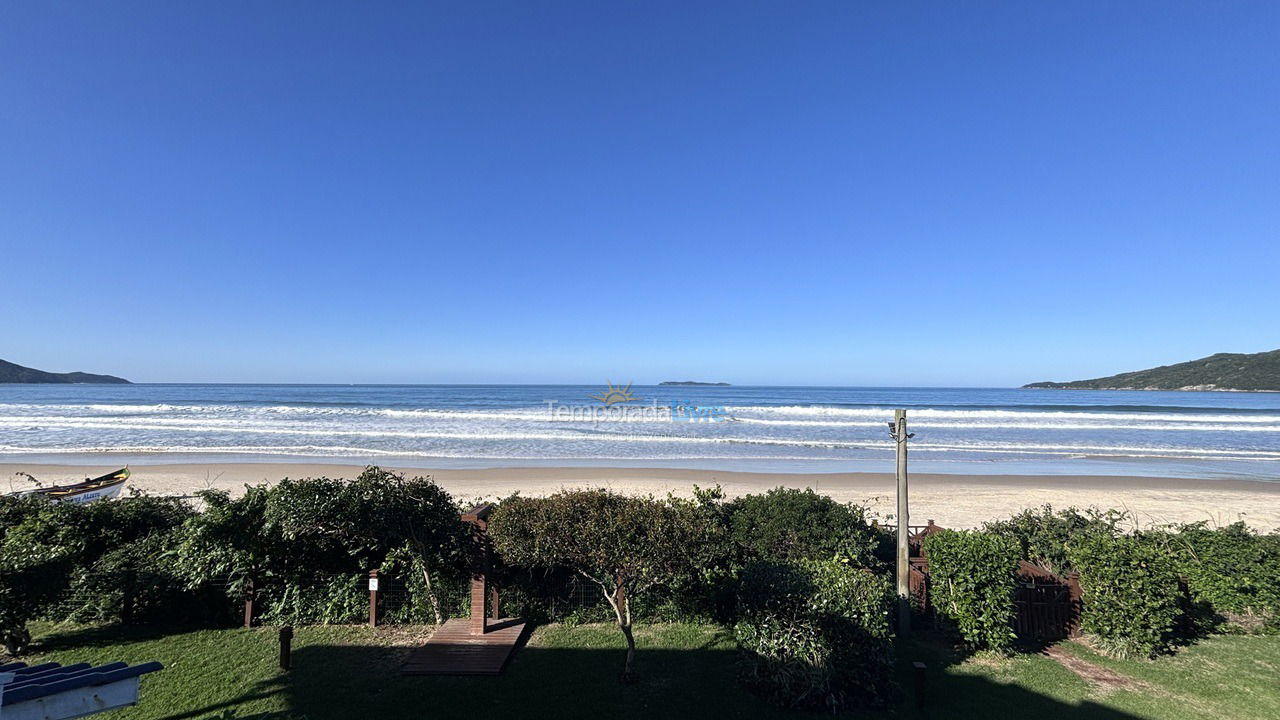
(1131, 593)
(1233, 571)
(972, 581)
(1144, 591)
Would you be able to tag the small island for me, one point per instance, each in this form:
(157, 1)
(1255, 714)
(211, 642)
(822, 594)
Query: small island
(14, 373)
(1223, 372)
(686, 383)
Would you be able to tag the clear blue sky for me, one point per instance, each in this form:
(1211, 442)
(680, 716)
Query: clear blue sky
(926, 193)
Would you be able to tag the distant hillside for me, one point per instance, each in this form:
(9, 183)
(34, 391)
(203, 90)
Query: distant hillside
(11, 373)
(693, 382)
(1224, 371)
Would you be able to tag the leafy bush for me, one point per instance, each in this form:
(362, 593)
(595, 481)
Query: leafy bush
(1131, 601)
(45, 545)
(332, 600)
(786, 524)
(625, 545)
(403, 568)
(352, 526)
(815, 634)
(1043, 533)
(972, 583)
(307, 545)
(1232, 569)
(229, 541)
(134, 582)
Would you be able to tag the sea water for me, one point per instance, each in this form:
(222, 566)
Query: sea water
(773, 429)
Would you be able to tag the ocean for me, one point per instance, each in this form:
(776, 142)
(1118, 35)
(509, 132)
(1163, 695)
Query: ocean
(767, 429)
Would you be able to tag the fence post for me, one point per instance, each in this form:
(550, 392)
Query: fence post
(248, 605)
(286, 647)
(127, 600)
(917, 671)
(1076, 593)
(479, 593)
(479, 519)
(373, 598)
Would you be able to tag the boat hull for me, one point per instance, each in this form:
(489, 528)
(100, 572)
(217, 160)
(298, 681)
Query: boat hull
(99, 488)
(87, 496)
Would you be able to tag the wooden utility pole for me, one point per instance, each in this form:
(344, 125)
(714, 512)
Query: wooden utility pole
(900, 435)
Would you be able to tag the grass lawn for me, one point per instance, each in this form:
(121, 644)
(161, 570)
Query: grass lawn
(687, 671)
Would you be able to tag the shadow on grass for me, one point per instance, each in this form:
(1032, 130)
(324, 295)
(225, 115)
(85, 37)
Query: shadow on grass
(540, 682)
(228, 708)
(100, 636)
(331, 681)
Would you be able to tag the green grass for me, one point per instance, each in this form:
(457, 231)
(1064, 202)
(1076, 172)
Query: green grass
(687, 671)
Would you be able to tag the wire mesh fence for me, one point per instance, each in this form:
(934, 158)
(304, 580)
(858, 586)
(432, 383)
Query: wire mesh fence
(322, 599)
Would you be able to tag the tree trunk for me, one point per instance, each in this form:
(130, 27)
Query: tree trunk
(628, 671)
(621, 605)
(431, 595)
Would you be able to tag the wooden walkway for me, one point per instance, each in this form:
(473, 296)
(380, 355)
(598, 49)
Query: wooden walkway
(453, 650)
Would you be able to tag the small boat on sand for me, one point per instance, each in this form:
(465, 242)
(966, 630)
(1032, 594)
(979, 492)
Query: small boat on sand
(98, 488)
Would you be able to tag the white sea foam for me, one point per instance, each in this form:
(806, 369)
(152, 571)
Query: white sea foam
(927, 414)
(278, 425)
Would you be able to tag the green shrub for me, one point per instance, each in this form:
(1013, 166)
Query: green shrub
(133, 582)
(229, 541)
(283, 538)
(1232, 569)
(972, 583)
(626, 546)
(1043, 533)
(785, 524)
(403, 569)
(815, 634)
(339, 599)
(46, 545)
(1132, 602)
(1232, 575)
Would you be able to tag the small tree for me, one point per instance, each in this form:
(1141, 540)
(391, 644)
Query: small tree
(625, 545)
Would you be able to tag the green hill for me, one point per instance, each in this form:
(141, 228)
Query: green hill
(1224, 371)
(11, 373)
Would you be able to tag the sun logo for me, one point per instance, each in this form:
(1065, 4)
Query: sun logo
(614, 395)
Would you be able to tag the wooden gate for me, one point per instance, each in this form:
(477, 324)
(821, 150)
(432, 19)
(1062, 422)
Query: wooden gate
(1048, 606)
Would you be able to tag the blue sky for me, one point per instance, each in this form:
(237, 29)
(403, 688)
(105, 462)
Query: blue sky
(775, 193)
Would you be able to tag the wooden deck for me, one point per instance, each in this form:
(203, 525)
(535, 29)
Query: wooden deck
(453, 650)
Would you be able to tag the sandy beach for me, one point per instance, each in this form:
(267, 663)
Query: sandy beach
(958, 501)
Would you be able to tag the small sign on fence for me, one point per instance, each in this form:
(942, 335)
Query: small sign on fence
(373, 584)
